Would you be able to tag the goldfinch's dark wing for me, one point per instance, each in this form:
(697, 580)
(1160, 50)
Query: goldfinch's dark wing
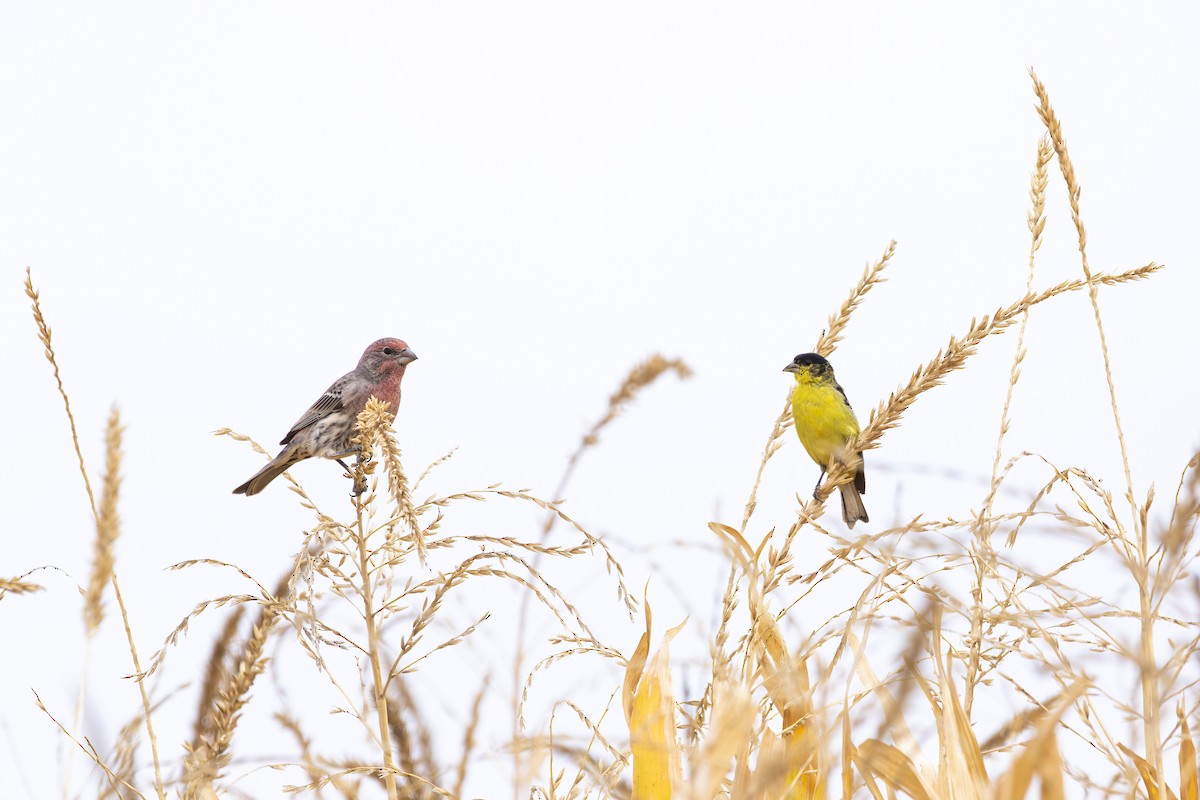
(860, 477)
(329, 402)
(842, 392)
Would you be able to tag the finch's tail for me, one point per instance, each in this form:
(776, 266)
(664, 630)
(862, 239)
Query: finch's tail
(270, 472)
(853, 509)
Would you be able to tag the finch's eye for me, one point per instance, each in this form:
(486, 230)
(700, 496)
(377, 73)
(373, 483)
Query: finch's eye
(387, 351)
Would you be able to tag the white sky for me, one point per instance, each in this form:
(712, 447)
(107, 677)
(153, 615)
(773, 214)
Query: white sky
(223, 203)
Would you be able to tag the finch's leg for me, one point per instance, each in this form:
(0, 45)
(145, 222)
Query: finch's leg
(363, 458)
(818, 486)
(359, 488)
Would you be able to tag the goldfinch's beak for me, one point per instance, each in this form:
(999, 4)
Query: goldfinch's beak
(406, 356)
(794, 368)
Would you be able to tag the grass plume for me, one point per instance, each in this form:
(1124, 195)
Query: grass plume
(108, 525)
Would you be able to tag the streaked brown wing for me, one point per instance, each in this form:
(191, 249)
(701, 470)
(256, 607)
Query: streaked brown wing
(328, 403)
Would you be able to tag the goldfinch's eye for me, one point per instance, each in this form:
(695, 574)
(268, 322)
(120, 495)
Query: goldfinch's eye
(387, 351)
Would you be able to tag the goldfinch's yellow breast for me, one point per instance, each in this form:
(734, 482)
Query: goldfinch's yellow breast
(824, 420)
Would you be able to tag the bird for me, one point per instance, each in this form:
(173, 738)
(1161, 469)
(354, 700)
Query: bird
(325, 430)
(825, 423)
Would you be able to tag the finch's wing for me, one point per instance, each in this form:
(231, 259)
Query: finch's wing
(845, 399)
(329, 402)
(860, 477)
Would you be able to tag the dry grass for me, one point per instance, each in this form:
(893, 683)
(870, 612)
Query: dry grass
(108, 525)
(973, 662)
(18, 586)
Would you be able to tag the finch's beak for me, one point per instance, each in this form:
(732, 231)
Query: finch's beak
(792, 368)
(406, 356)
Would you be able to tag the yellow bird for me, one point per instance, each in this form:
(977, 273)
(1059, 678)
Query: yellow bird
(825, 424)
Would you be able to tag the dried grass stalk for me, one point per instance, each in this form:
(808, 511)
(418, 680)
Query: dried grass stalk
(216, 675)
(982, 530)
(18, 586)
(374, 424)
(1146, 613)
(1054, 129)
(1036, 222)
(871, 277)
(203, 764)
(413, 742)
(108, 525)
(469, 735)
(44, 336)
(643, 374)
(113, 781)
(123, 762)
(375, 429)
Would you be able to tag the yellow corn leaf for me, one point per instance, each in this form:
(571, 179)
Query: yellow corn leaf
(741, 770)
(779, 773)
(1039, 756)
(633, 670)
(805, 774)
(770, 764)
(876, 758)
(738, 546)
(728, 734)
(1149, 775)
(1050, 770)
(652, 727)
(1187, 760)
(869, 781)
(850, 753)
(897, 726)
(961, 772)
(786, 682)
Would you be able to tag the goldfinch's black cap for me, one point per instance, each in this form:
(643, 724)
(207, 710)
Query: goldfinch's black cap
(805, 361)
(809, 359)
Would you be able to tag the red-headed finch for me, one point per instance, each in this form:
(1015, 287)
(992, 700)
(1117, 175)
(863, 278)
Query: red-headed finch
(325, 430)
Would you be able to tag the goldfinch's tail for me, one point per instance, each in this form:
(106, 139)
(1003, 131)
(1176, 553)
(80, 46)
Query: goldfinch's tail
(853, 509)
